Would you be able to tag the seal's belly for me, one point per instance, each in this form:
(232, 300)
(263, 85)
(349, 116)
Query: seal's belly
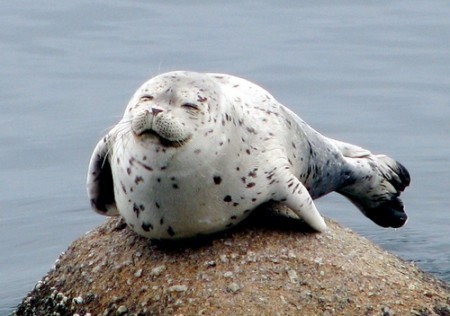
(162, 204)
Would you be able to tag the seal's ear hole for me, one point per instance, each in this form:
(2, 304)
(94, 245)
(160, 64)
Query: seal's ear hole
(189, 105)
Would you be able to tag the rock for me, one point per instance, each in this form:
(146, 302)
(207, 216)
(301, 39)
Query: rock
(158, 270)
(293, 276)
(233, 287)
(138, 273)
(178, 288)
(276, 268)
(228, 275)
(78, 300)
(122, 310)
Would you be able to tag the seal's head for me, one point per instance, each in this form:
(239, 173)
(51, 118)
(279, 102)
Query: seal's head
(169, 109)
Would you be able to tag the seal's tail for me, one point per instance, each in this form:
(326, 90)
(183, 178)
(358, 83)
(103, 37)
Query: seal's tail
(374, 184)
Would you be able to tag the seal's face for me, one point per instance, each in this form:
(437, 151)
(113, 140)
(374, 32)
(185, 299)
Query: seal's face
(151, 123)
(169, 110)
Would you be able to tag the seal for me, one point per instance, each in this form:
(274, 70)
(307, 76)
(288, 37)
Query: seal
(196, 153)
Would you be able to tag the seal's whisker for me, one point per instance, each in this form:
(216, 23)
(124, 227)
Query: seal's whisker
(105, 158)
(123, 127)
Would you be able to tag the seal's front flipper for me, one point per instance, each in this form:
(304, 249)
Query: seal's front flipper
(296, 196)
(100, 182)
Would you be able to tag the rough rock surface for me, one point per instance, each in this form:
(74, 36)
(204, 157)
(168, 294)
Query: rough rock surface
(279, 268)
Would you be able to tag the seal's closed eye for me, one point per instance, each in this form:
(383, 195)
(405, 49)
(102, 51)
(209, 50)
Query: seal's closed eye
(190, 105)
(145, 98)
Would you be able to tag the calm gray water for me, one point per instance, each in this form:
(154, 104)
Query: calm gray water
(375, 74)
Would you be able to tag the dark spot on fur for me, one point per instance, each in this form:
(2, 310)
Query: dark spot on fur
(136, 209)
(138, 179)
(147, 226)
(233, 217)
(307, 173)
(227, 198)
(247, 151)
(170, 231)
(201, 99)
(157, 205)
(175, 186)
(129, 171)
(252, 173)
(217, 179)
(251, 184)
(161, 221)
(145, 166)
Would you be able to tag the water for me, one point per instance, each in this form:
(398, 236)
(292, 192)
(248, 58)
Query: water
(376, 74)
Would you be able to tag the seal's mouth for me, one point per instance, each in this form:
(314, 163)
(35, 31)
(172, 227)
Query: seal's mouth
(151, 134)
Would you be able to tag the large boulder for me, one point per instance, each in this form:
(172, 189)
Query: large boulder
(273, 266)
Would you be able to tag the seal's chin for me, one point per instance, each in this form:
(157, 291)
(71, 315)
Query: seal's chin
(152, 136)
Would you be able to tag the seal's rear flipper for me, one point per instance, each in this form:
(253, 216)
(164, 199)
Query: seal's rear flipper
(389, 213)
(100, 182)
(374, 184)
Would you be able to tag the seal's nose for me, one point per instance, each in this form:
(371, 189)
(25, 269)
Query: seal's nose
(155, 111)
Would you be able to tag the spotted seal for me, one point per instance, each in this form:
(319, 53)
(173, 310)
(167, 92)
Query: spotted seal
(195, 153)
